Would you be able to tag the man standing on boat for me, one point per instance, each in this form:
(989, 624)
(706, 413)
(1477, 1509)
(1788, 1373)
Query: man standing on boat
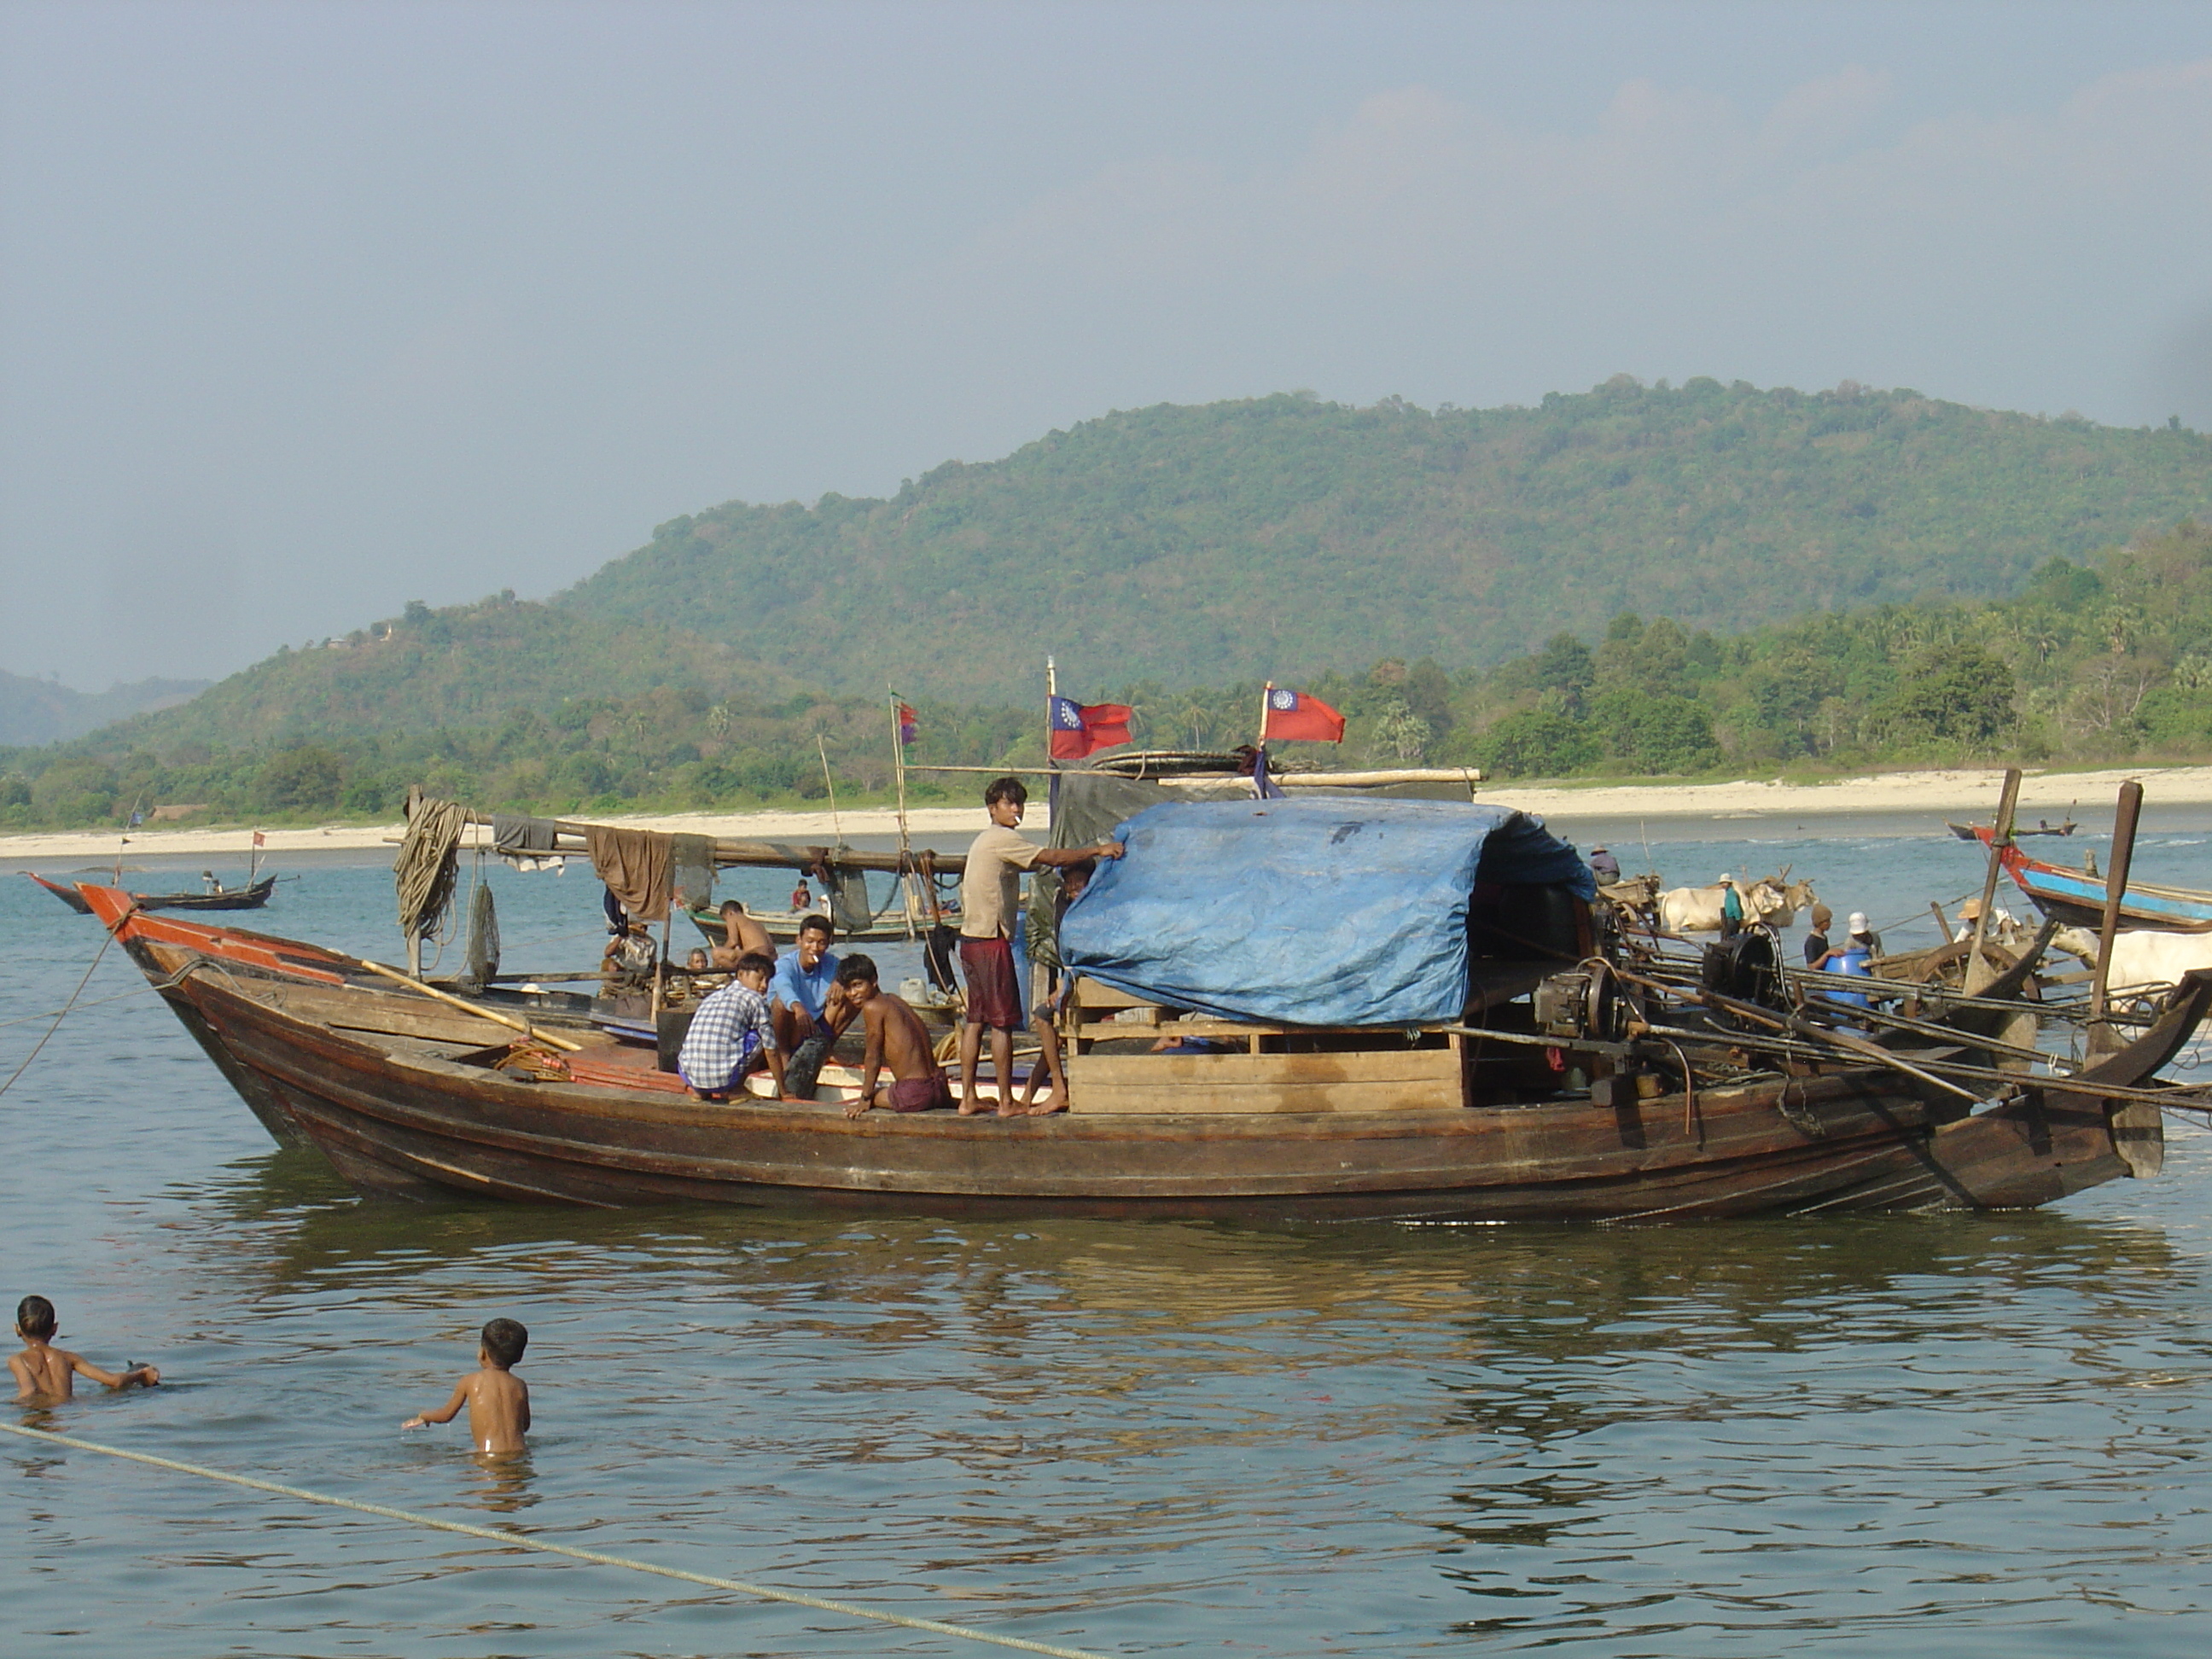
(989, 898)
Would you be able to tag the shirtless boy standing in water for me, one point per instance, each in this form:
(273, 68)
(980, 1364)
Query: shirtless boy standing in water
(43, 1371)
(498, 1400)
(896, 1038)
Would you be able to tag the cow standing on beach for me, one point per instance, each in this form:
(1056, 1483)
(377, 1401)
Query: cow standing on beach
(1772, 902)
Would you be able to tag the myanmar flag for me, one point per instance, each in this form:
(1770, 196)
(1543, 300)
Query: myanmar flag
(1300, 714)
(1079, 728)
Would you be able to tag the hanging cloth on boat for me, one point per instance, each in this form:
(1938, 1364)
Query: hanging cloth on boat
(526, 842)
(517, 834)
(691, 859)
(423, 874)
(848, 904)
(635, 865)
(481, 960)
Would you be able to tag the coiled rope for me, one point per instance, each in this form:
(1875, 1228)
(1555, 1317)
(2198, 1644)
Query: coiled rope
(522, 1540)
(422, 875)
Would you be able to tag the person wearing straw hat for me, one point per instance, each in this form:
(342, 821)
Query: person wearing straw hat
(1731, 907)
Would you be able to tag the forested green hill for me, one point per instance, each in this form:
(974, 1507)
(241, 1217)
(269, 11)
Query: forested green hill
(459, 666)
(40, 711)
(1837, 579)
(1283, 537)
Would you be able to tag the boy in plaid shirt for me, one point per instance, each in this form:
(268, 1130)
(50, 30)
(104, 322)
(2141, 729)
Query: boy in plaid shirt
(732, 1034)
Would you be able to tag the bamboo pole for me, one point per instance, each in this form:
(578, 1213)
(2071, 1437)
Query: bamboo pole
(2126, 814)
(491, 1014)
(836, 827)
(2000, 838)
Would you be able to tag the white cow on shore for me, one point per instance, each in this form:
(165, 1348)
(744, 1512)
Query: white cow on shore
(1774, 900)
(2141, 956)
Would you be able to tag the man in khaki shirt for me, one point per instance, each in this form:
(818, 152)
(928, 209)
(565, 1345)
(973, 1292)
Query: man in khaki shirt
(989, 891)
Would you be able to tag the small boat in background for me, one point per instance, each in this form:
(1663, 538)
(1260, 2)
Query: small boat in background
(67, 894)
(1981, 831)
(252, 896)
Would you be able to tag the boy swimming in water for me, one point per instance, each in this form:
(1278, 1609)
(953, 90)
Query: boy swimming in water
(43, 1371)
(498, 1400)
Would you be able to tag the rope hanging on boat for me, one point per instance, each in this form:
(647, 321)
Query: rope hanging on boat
(60, 1017)
(523, 1540)
(430, 858)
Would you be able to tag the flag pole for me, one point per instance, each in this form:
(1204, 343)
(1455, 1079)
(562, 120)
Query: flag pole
(899, 770)
(836, 823)
(910, 904)
(1266, 701)
(1052, 785)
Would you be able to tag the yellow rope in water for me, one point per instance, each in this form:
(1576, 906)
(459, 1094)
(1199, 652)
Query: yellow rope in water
(522, 1540)
(60, 1017)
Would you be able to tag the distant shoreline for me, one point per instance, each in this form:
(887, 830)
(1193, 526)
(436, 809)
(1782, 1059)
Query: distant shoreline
(1965, 794)
(1961, 793)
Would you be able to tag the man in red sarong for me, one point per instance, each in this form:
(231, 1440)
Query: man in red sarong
(989, 898)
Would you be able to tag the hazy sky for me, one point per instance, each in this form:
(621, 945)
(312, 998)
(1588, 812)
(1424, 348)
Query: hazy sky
(309, 310)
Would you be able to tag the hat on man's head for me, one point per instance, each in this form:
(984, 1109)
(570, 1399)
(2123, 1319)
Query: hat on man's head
(1859, 924)
(1600, 848)
(1725, 879)
(1822, 915)
(1971, 910)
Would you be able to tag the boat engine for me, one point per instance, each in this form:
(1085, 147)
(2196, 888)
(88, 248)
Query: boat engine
(1747, 968)
(1585, 1002)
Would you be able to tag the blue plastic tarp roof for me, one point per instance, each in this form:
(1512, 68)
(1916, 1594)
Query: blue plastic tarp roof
(1329, 912)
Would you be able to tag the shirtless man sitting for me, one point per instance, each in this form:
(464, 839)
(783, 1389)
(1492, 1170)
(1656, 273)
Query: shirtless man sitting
(741, 936)
(896, 1038)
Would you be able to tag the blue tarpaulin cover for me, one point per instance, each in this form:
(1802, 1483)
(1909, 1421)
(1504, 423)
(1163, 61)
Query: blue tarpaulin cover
(1332, 912)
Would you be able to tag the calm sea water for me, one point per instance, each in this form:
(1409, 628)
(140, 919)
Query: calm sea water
(1961, 1435)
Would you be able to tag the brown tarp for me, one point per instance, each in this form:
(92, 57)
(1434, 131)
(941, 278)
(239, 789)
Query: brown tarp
(637, 867)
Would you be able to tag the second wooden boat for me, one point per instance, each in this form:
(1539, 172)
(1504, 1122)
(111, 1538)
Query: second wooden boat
(2076, 895)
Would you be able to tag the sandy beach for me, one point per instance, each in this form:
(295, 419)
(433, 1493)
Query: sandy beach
(2087, 795)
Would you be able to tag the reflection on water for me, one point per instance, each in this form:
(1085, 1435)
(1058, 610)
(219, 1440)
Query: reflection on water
(504, 1482)
(1976, 1434)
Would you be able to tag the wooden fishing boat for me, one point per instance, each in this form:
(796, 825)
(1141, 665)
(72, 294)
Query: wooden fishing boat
(252, 896)
(2077, 896)
(1545, 1094)
(67, 894)
(1981, 831)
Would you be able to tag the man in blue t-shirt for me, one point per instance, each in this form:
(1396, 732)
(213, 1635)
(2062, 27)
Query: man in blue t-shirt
(802, 986)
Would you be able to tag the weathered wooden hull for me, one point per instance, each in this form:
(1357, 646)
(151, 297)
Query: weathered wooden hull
(394, 1117)
(413, 1125)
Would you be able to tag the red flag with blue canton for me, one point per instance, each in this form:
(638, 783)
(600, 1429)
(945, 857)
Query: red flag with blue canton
(1296, 714)
(1078, 729)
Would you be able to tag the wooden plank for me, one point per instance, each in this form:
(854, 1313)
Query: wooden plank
(1104, 1029)
(1201, 1073)
(1422, 1095)
(382, 1016)
(1089, 994)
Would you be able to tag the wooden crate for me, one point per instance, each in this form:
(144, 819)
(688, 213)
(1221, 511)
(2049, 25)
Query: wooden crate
(1385, 1079)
